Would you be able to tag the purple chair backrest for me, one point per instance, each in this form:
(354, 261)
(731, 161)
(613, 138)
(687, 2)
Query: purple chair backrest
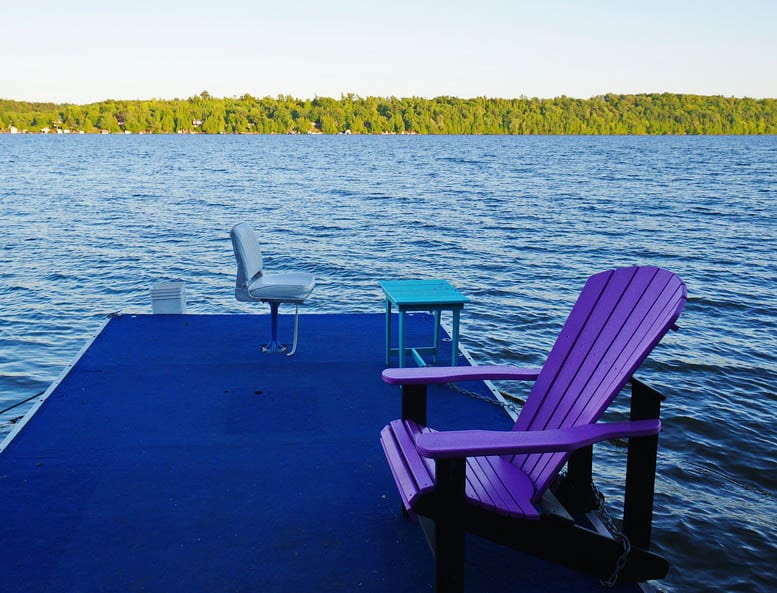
(617, 320)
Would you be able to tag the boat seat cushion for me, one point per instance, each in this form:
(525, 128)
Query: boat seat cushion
(286, 287)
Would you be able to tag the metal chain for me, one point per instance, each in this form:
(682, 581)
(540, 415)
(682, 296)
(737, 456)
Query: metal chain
(490, 400)
(617, 534)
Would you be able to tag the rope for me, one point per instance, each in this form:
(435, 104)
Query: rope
(17, 404)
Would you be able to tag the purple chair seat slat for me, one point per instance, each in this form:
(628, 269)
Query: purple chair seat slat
(495, 484)
(403, 478)
(482, 487)
(405, 433)
(412, 474)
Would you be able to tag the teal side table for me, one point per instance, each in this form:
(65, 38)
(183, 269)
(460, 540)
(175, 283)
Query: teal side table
(421, 295)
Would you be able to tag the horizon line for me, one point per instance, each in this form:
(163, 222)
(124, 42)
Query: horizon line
(344, 95)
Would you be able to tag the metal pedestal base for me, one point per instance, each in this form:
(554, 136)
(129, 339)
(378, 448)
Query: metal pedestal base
(275, 345)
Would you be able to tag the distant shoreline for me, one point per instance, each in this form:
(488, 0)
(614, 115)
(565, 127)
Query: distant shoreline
(81, 133)
(612, 114)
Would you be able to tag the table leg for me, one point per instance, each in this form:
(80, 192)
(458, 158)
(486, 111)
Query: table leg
(455, 344)
(401, 338)
(437, 315)
(388, 332)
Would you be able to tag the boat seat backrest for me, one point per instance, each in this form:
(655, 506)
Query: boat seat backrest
(247, 254)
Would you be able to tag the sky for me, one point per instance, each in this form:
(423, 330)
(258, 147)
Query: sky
(84, 51)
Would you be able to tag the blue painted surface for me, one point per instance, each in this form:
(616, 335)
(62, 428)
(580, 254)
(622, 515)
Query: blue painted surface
(176, 457)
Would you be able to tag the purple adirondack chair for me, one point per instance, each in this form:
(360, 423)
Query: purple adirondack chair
(496, 483)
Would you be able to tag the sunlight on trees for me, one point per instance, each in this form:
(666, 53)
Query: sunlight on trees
(608, 114)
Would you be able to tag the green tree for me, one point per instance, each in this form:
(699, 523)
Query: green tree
(327, 124)
(663, 113)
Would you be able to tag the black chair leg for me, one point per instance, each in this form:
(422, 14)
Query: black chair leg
(448, 530)
(448, 558)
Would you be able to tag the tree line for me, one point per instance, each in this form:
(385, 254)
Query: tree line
(664, 113)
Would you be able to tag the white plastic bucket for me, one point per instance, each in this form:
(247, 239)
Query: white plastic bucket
(168, 297)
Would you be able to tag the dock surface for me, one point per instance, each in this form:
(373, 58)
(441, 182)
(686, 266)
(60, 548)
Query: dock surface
(176, 457)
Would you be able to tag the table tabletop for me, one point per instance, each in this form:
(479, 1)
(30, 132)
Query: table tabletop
(422, 292)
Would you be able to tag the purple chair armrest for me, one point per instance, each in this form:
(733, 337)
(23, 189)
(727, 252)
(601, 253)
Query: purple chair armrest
(474, 443)
(427, 375)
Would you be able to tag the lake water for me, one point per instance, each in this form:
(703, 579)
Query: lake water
(89, 223)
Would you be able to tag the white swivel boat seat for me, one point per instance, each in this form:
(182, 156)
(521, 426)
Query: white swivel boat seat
(253, 284)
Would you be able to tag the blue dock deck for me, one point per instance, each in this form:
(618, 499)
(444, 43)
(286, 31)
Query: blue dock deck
(175, 457)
